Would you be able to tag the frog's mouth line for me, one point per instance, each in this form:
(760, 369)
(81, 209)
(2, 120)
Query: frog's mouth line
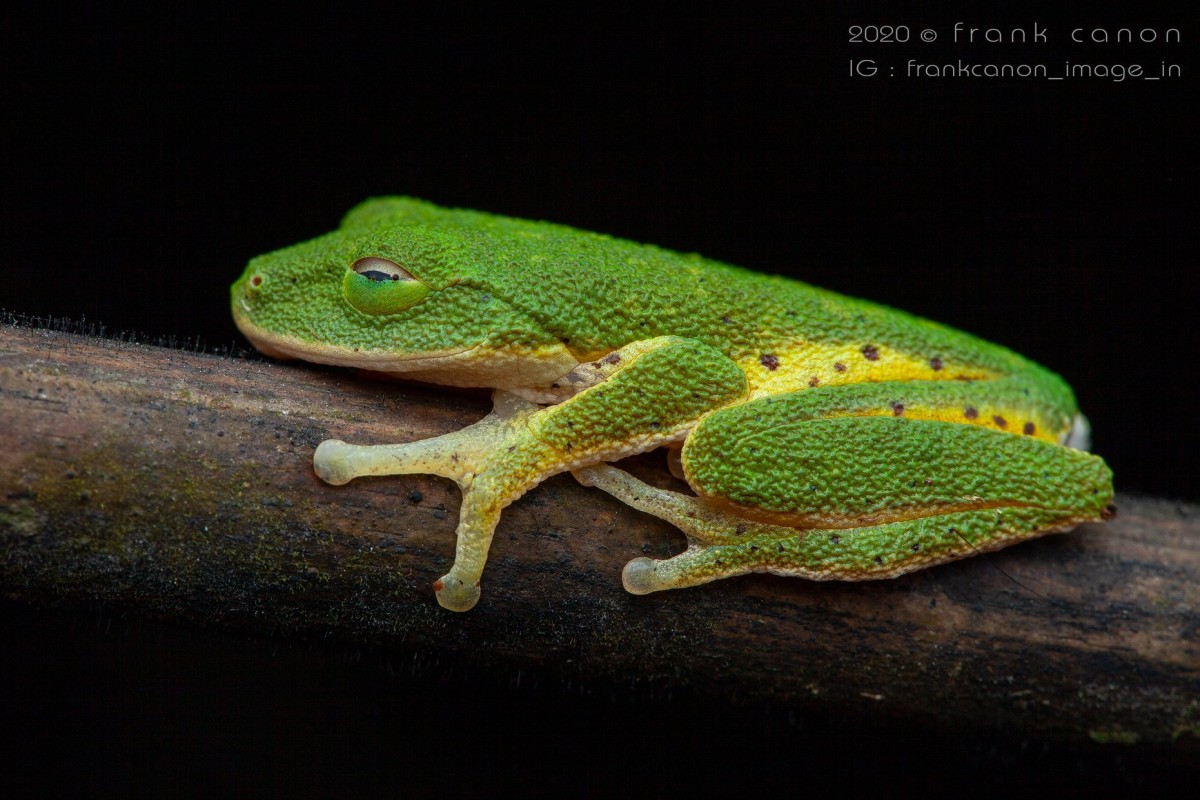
(478, 365)
(285, 348)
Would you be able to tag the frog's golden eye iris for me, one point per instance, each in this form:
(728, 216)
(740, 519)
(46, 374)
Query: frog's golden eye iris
(378, 286)
(380, 269)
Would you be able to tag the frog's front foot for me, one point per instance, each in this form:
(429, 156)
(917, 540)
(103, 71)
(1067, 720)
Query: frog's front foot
(454, 594)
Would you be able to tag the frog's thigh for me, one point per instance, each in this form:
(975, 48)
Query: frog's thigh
(855, 471)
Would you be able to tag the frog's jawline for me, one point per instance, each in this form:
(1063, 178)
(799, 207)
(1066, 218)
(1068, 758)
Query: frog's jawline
(471, 366)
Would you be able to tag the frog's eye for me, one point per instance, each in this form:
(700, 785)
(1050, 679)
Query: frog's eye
(375, 285)
(380, 269)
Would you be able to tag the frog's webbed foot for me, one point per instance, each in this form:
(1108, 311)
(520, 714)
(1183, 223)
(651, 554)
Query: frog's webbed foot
(461, 456)
(720, 544)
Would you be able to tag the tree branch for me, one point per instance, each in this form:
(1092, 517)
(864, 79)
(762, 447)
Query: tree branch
(180, 485)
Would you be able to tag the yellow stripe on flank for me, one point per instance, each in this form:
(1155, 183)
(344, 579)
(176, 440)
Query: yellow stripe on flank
(804, 365)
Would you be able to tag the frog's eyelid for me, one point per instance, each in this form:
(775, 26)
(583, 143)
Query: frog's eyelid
(380, 269)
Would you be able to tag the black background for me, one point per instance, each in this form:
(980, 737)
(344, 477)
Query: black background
(146, 156)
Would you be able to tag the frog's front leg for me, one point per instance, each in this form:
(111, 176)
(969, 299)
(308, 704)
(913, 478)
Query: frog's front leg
(461, 456)
(811, 486)
(646, 394)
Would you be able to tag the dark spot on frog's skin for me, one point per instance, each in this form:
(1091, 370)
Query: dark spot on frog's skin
(929, 481)
(871, 353)
(753, 548)
(769, 361)
(813, 381)
(935, 364)
(897, 409)
(612, 358)
(1000, 421)
(720, 563)
(839, 366)
(439, 513)
(554, 386)
(1108, 512)
(970, 412)
(740, 529)
(835, 539)
(1030, 429)
(916, 547)
(486, 298)
(415, 497)
(646, 548)
(726, 320)
(878, 559)
(779, 548)
(655, 425)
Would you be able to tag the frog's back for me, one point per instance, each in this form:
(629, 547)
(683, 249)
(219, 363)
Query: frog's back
(597, 293)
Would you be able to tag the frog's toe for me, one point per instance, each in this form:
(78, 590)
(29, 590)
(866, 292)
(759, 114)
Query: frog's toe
(640, 576)
(454, 594)
(331, 462)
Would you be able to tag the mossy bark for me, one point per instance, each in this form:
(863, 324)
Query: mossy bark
(179, 485)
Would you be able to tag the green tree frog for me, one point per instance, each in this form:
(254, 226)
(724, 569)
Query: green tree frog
(822, 436)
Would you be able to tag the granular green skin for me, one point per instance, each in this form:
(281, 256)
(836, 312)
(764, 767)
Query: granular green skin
(502, 281)
(798, 410)
(644, 397)
(861, 466)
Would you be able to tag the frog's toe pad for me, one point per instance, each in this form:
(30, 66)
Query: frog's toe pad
(640, 576)
(455, 595)
(330, 462)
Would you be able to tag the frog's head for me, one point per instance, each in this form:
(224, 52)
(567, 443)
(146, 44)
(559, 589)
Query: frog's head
(403, 299)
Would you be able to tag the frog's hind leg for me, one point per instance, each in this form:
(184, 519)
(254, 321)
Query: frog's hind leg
(809, 486)
(722, 544)
(709, 531)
